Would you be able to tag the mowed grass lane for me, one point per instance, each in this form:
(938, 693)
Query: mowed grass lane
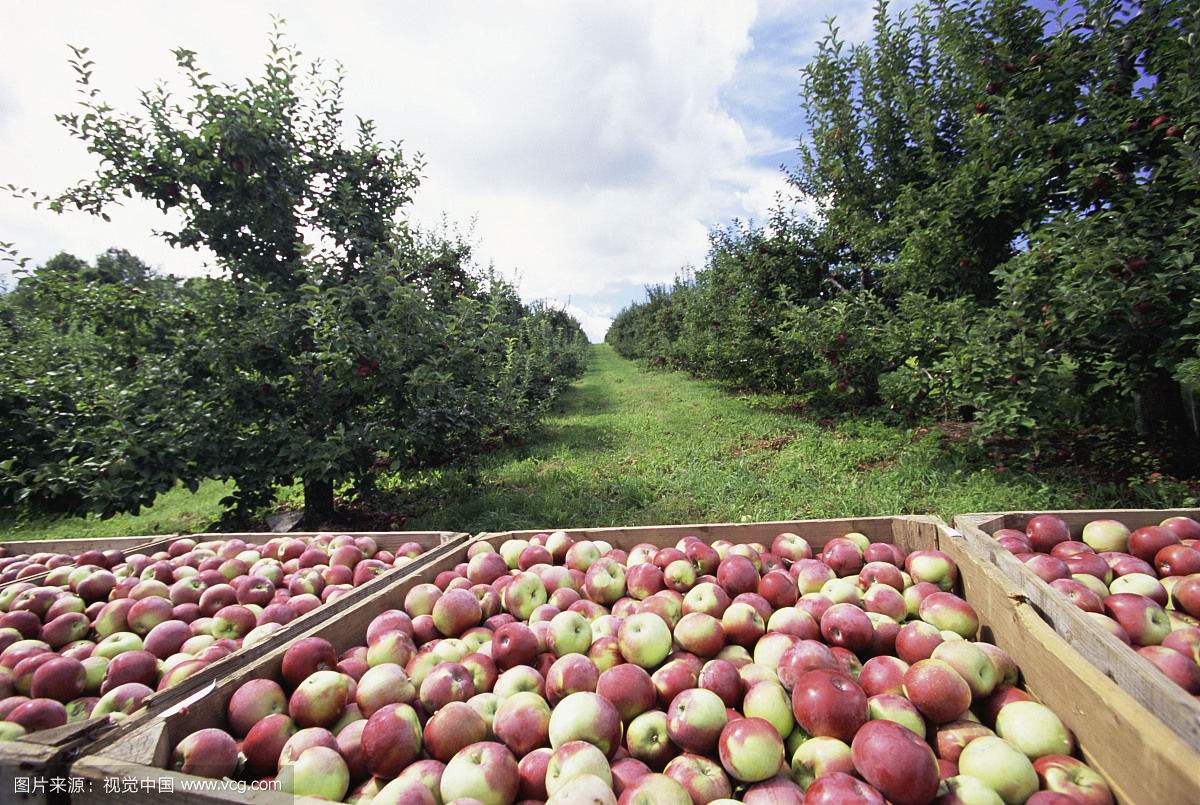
(637, 447)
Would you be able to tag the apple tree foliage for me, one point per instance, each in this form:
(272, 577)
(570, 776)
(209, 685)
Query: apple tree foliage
(1006, 221)
(336, 341)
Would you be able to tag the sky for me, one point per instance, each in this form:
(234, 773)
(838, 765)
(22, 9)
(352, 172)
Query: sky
(586, 147)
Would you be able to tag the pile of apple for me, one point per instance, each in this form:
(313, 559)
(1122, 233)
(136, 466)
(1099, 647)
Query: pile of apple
(566, 671)
(1143, 586)
(104, 631)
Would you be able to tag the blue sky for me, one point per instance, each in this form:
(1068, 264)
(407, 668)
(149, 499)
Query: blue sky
(588, 147)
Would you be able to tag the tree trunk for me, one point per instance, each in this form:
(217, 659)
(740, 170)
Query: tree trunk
(318, 500)
(1165, 416)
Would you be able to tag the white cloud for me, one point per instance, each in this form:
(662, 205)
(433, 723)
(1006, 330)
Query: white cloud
(593, 143)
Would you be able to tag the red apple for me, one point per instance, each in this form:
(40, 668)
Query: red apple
(896, 762)
(829, 703)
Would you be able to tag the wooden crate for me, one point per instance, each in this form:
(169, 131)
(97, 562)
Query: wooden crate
(56, 748)
(1133, 673)
(1140, 757)
(74, 547)
(1143, 763)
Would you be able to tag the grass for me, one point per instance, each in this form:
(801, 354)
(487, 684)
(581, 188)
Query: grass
(636, 447)
(633, 447)
(177, 511)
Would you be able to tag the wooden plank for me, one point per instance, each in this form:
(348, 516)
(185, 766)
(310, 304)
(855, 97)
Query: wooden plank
(1048, 663)
(1134, 674)
(1140, 757)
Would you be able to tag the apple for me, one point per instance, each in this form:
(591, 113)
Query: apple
(816, 757)
(882, 674)
(570, 633)
(948, 612)
(1045, 531)
(318, 701)
(485, 771)
(604, 581)
(1079, 594)
(517, 679)
(791, 547)
(60, 678)
(896, 708)
(644, 639)
(933, 567)
(804, 656)
(522, 722)
(843, 556)
(1177, 560)
(513, 644)
(455, 612)
(206, 753)
(651, 789)
(1142, 619)
(829, 703)
(695, 719)
(1176, 666)
(572, 760)
(318, 772)
(252, 702)
(703, 779)
(1088, 564)
(769, 701)
(722, 678)
(571, 673)
(233, 622)
(847, 626)
(629, 688)
(737, 574)
(305, 657)
(700, 633)
(644, 580)
(391, 739)
(447, 682)
(452, 729)
(648, 738)
(1146, 542)
(962, 789)
(586, 717)
(117, 643)
(742, 624)
(1186, 595)
(750, 749)
(937, 690)
(1069, 776)
(839, 788)
(523, 595)
(896, 762)
(811, 575)
(383, 684)
(584, 788)
(972, 663)
(1001, 767)
(950, 738)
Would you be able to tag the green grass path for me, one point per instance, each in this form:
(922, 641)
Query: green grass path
(636, 447)
(631, 447)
